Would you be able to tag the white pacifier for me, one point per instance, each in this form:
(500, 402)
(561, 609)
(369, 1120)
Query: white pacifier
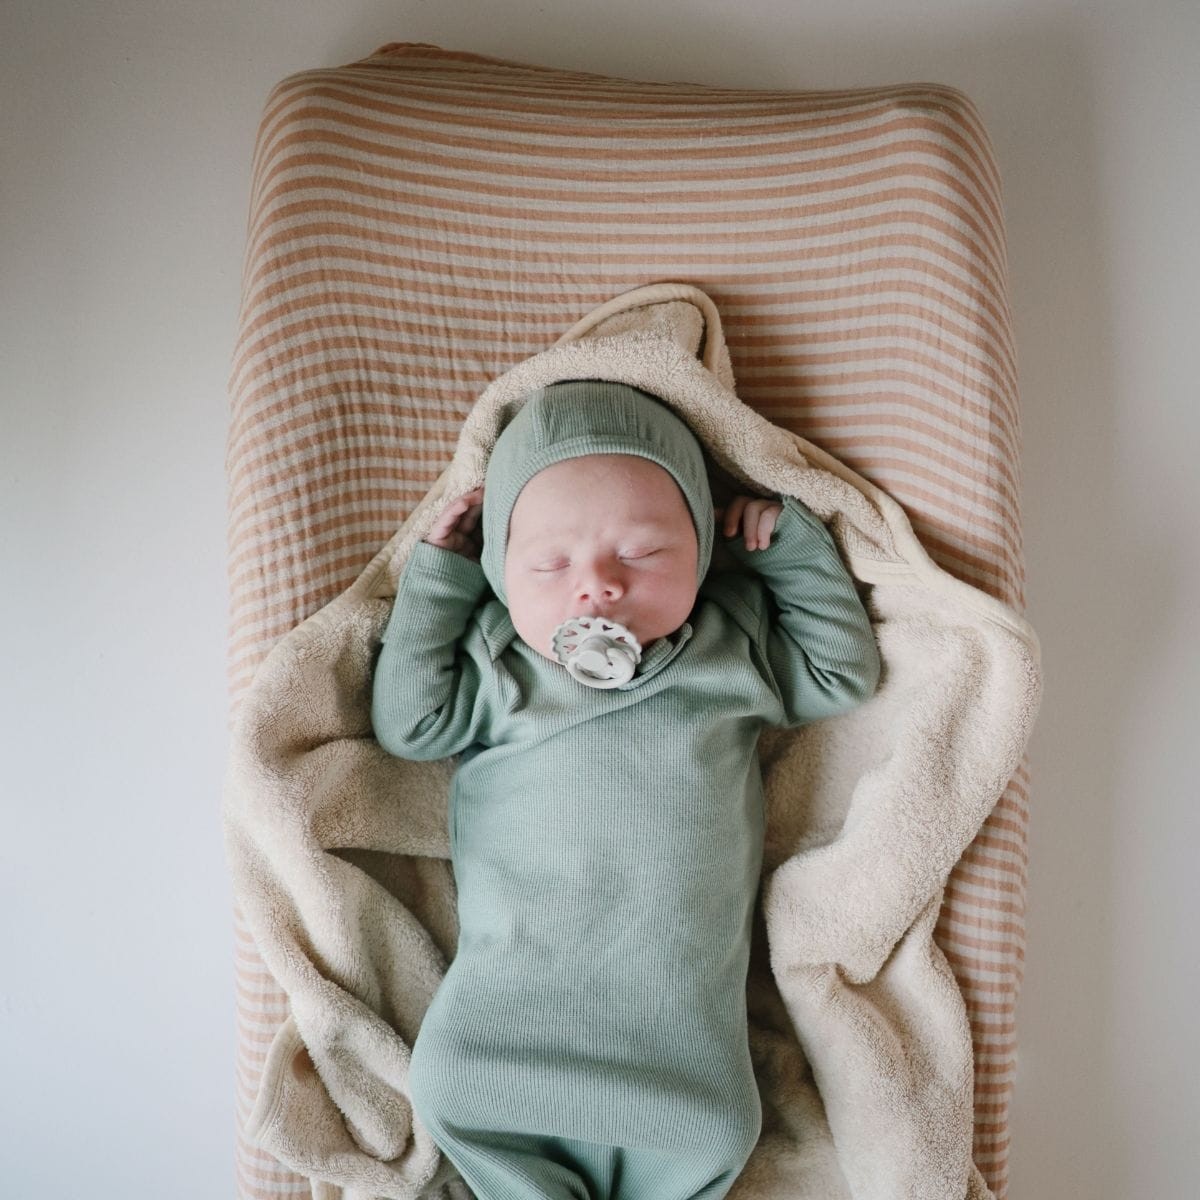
(599, 653)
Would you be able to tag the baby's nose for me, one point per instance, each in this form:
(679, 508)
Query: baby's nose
(599, 584)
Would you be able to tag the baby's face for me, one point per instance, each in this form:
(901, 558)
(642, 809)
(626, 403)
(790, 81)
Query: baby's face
(605, 535)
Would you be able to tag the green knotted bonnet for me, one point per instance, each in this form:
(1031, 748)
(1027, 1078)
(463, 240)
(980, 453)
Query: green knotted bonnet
(589, 416)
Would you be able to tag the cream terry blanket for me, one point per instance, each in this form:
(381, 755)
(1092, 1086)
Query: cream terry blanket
(339, 852)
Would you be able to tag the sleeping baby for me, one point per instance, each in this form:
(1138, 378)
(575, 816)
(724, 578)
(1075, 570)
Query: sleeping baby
(589, 1040)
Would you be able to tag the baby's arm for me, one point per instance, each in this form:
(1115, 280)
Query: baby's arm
(432, 683)
(820, 648)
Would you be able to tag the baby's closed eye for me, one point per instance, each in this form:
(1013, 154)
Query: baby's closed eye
(559, 564)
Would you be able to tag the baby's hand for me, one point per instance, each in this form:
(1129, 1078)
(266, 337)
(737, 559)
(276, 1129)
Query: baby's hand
(457, 527)
(754, 515)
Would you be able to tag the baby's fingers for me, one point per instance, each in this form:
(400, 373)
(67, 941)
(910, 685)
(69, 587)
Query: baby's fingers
(460, 543)
(474, 510)
(753, 516)
(733, 515)
(442, 527)
(758, 521)
(458, 517)
(766, 523)
(456, 511)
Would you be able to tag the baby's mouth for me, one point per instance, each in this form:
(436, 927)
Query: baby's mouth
(614, 618)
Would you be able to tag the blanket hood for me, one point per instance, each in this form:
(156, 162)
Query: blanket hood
(339, 853)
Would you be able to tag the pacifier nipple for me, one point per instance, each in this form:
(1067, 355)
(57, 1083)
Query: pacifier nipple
(599, 653)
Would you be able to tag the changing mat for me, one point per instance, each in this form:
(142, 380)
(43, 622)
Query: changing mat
(423, 220)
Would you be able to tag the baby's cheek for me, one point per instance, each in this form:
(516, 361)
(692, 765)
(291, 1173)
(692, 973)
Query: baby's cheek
(532, 617)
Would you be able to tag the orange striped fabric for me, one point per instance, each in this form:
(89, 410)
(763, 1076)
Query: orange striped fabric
(422, 220)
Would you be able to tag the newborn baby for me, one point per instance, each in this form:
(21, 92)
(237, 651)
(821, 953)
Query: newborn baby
(589, 1040)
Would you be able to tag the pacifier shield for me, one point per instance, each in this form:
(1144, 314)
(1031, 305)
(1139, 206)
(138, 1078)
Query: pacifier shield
(597, 652)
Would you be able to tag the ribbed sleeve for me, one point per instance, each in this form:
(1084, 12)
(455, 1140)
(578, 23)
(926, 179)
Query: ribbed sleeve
(820, 647)
(433, 687)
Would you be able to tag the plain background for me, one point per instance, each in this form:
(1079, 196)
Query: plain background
(126, 131)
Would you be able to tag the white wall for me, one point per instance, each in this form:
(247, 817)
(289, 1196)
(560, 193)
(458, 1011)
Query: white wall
(125, 138)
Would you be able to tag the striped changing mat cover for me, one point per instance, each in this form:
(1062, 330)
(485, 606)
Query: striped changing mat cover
(424, 219)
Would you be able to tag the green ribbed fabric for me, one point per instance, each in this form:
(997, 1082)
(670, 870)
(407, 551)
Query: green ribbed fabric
(607, 846)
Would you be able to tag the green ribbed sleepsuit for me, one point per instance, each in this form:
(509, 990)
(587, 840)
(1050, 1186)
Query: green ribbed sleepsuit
(589, 1039)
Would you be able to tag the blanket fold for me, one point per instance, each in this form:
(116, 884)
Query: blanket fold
(339, 852)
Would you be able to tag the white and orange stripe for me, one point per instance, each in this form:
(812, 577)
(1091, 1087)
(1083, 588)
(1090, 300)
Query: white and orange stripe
(422, 220)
